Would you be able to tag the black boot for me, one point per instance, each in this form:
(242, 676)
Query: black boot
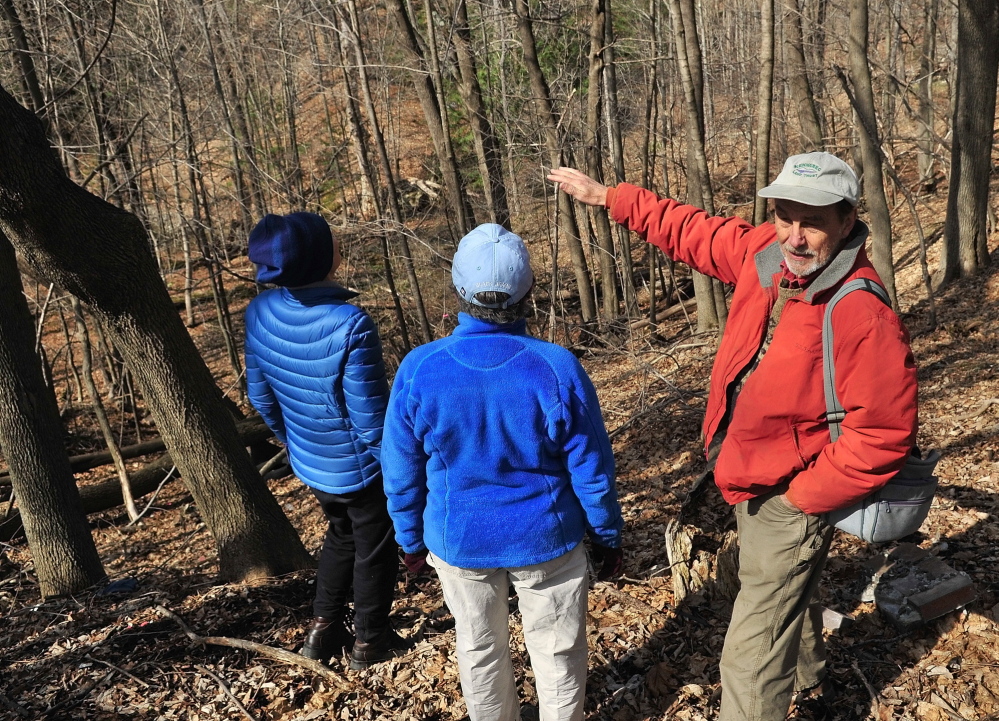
(326, 637)
(388, 645)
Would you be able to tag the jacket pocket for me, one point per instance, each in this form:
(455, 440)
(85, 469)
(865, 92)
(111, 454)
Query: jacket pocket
(796, 442)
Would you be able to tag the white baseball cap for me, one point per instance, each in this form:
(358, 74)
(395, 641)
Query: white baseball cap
(815, 179)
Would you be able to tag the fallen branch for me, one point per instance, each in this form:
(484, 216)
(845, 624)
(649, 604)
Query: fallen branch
(980, 410)
(253, 430)
(278, 654)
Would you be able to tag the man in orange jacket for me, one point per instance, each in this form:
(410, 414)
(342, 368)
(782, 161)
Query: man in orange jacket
(766, 412)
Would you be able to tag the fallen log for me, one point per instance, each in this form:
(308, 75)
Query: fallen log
(252, 431)
(107, 494)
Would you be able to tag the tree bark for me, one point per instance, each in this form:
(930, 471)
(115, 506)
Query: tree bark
(25, 61)
(924, 89)
(870, 147)
(965, 232)
(62, 548)
(801, 88)
(100, 254)
(593, 159)
(764, 108)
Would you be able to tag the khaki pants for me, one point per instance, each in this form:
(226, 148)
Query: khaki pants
(553, 607)
(774, 642)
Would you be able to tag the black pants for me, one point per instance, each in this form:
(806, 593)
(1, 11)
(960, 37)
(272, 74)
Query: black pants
(359, 548)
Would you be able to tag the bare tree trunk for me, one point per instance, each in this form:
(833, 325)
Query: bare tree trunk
(358, 140)
(593, 157)
(100, 414)
(965, 234)
(924, 88)
(294, 173)
(556, 154)
(616, 146)
(870, 144)
(25, 61)
(100, 255)
(31, 437)
(435, 115)
(764, 108)
(486, 146)
(710, 313)
(801, 89)
(242, 192)
(386, 166)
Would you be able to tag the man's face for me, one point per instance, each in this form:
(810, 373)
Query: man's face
(810, 235)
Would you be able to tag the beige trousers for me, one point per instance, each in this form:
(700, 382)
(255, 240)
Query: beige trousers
(552, 601)
(774, 642)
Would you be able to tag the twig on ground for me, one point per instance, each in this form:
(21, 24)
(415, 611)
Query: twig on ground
(118, 669)
(875, 696)
(76, 699)
(278, 654)
(228, 692)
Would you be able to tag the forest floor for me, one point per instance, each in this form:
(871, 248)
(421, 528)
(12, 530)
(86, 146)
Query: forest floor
(111, 654)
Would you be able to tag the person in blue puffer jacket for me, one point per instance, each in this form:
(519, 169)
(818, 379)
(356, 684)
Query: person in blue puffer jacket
(496, 465)
(314, 371)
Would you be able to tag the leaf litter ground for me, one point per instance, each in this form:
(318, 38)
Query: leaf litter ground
(114, 656)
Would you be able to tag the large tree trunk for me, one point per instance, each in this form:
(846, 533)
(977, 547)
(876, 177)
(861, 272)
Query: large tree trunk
(100, 254)
(801, 89)
(870, 147)
(556, 156)
(25, 62)
(965, 233)
(31, 437)
(764, 108)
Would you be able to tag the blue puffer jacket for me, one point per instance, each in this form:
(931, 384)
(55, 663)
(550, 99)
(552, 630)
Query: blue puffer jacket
(495, 452)
(314, 372)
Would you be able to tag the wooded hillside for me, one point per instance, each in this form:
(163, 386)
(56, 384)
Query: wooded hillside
(142, 141)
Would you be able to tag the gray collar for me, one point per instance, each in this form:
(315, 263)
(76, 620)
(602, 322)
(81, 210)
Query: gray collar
(769, 259)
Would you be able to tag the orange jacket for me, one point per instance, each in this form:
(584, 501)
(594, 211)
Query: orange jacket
(778, 431)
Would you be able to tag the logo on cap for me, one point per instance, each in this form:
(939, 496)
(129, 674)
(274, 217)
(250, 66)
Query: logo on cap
(806, 170)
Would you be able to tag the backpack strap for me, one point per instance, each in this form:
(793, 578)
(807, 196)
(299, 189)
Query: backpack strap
(835, 412)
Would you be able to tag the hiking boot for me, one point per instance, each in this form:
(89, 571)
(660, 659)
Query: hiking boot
(324, 638)
(366, 653)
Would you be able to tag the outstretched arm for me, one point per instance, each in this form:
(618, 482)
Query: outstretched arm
(580, 186)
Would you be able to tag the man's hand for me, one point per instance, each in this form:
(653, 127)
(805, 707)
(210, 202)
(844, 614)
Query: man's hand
(611, 561)
(416, 563)
(580, 186)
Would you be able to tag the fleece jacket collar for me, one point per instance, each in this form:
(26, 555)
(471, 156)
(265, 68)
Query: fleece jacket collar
(467, 325)
(769, 259)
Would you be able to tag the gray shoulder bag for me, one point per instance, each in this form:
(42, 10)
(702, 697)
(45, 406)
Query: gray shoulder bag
(901, 506)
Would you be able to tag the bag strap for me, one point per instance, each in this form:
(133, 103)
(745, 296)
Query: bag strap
(835, 413)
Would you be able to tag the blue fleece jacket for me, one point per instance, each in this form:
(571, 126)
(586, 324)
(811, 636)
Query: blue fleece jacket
(495, 452)
(314, 372)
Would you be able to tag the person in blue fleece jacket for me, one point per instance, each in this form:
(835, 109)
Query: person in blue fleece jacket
(497, 464)
(314, 372)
